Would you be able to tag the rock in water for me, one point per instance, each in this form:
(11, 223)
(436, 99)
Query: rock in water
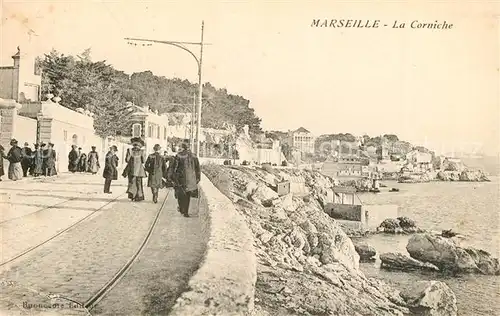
(391, 225)
(399, 225)
(364, 250)
(431, 298)
(401, 262)
(448, 256)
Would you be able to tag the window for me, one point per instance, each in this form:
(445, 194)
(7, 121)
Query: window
(158, 132)
(150, 130)
(65, 135)
(136, 130)
(164, 133)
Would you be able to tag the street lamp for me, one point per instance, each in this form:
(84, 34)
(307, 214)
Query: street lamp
(199, 62)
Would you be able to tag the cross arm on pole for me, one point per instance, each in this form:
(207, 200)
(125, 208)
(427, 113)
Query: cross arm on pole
(173, 43)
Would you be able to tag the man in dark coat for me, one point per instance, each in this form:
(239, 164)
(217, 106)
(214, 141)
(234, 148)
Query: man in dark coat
(110, 168)
(50, 157)
(156, 167)
(185, 174)
(2, 156)
(73, 159)
(27, 161)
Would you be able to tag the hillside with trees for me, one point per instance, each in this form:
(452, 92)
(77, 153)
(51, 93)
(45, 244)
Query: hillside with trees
(105, 91)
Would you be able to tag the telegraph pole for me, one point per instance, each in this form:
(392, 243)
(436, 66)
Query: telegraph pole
(193, 113)
(199, 63)
(200, 93)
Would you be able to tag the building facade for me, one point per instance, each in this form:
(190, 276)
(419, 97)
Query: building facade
(21, 81)
(150, 126)
(302, 140)
(420, 161)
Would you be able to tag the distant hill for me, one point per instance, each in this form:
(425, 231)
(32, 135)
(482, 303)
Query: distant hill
(489, 164)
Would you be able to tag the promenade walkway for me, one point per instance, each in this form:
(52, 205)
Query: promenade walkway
(62, 240)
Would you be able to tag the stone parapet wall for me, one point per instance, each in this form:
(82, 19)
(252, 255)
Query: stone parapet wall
(225, 282)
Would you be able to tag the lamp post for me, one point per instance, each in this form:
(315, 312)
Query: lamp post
(199, 62)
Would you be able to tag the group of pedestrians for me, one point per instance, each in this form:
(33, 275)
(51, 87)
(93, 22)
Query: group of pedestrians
(78, 161)
(27, 161)
(182, 172)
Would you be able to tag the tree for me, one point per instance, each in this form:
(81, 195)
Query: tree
(98, 87)
(391, 138)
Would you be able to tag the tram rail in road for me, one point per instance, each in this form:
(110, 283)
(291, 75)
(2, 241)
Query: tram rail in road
(92, 302)
(30, 249)
(94, 299)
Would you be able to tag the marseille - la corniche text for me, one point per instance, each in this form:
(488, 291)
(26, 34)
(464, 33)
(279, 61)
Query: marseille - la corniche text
(414, 24)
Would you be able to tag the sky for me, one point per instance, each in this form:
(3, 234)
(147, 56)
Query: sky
(438, 88)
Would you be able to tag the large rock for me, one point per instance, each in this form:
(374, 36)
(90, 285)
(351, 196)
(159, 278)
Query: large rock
(399, 225)
(263, 194)
(430, 298)
(472, 175)
(364, 250)
(307, 264)
(442, 176)
(448, 256)
(401, 262)
(390, 225)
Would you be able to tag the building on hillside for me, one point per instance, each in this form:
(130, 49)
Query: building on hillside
(352, 169)
(21, 81)
(268, 151)
(150, 126)
(28, 119)
(383, 152)
(302, 140)
(452, 164)
(421, 161)
(180, 125)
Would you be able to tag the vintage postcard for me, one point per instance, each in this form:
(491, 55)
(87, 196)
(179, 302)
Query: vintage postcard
(261, 158)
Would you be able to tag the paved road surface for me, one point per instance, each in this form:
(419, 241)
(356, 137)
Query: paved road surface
(79, 261)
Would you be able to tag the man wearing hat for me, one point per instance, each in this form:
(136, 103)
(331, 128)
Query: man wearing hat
(110, 171)
(2, 156)
(156, 168)
(49, 155)
(27, 160)
(185, 174)
(15, 156)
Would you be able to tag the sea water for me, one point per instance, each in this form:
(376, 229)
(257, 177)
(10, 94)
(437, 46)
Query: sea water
(469, 208)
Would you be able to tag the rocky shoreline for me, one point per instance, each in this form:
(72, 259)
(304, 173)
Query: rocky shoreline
(365, 184)
(307, 265)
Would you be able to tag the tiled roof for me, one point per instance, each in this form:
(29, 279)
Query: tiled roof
(301, 130)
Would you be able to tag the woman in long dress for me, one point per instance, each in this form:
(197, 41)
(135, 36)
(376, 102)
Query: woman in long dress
(82, 163)
(93, 161)
(37, 161)
(135, 170)
(15, 156)
(73, 159)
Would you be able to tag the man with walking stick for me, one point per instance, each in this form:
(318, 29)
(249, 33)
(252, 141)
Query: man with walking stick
(185, 174)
